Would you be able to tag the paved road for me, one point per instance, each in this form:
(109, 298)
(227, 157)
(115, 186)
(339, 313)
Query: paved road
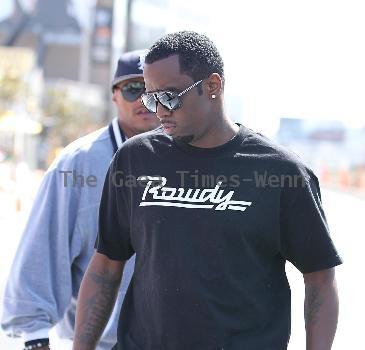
(346, 216)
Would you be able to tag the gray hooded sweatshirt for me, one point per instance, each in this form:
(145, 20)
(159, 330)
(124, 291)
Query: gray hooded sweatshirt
(58, 242)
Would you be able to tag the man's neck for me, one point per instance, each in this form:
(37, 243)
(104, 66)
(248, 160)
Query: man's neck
(218, 134)
(128, 133)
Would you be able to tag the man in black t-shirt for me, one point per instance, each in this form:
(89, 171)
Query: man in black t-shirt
(212, 211)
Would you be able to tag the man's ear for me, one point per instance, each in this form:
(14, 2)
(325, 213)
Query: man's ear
(214, 86)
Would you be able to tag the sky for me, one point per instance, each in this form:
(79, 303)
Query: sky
(288, 58)
(283, 58)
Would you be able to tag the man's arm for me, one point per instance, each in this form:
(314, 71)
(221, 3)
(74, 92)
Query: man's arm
(38, 294)
(96, 299)
(320, 309)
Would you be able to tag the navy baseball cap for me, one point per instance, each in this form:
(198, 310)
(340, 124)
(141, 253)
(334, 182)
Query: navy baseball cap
(130, 65)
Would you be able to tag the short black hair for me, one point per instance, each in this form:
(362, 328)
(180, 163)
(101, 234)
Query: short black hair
(198, 55)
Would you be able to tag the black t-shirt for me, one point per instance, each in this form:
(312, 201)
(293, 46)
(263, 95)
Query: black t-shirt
(211, 229)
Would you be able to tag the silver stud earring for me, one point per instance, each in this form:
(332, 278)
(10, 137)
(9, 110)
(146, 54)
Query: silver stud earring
(213, 97)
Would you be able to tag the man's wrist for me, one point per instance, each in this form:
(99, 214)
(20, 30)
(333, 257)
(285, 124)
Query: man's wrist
(42, 333)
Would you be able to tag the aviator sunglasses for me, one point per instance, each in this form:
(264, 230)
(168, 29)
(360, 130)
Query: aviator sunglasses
(131, 91)
(170, 100)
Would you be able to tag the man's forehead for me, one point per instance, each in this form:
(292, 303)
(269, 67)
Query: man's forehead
(164, 73)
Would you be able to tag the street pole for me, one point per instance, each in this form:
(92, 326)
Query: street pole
(128, 25)
(84, 74)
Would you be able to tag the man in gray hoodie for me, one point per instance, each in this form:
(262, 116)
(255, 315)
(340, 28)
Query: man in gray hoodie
(58, 240)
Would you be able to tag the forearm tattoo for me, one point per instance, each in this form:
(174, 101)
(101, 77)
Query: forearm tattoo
(98, 306)
(313, 302)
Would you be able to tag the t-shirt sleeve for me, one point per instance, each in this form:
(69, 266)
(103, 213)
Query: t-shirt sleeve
(114, 230)
(305, 239)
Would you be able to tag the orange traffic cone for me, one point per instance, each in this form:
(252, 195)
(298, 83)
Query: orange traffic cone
(325, 175)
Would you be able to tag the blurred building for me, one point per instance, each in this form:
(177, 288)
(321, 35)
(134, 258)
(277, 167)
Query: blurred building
(144, 29)
(293, 130)
(71, 57)
(51, 31)
(324, 143)
(65, 47)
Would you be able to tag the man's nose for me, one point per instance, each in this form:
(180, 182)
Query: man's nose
(162, 112)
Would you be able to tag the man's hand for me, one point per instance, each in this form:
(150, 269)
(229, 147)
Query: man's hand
(98, 292)
(320, 309)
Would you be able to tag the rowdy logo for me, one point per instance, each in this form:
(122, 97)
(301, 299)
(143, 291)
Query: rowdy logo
(156, 194)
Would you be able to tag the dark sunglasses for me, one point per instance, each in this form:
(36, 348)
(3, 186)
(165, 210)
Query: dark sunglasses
(131, 91)
(168, 99)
